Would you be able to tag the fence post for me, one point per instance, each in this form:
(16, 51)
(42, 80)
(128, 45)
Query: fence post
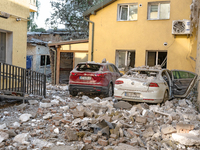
(44, 90)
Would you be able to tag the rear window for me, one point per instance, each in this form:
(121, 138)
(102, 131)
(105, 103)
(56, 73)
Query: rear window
(143, 73)
(88, 67)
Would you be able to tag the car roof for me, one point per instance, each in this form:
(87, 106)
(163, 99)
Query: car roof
(147, 68)
(92, 62)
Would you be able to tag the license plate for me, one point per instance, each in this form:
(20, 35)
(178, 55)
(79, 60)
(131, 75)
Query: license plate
(84, 78)
(130, 94)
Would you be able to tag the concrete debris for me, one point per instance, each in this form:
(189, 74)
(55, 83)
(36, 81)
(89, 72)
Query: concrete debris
(3, 136)
(22, 138)
(79, 123)
(25, 117)
(33, 102)
(122, 105)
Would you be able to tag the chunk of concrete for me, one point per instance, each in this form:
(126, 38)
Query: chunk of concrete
(42, 143)
(3, 136)
(123, 105)
(71, 135)
(22, 138)
(122, 146)
(25, 117)
(184, 128)
(3, 126)
(47, 116)
(33, 102)
(45, 105)
(141, 119)
(186, 138)
(168, 130)
(21, 107)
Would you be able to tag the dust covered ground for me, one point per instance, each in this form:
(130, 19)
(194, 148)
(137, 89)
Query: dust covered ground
(62, 122)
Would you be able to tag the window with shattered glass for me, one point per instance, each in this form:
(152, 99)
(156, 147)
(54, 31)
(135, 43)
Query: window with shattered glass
(125, 59)
(127, 12)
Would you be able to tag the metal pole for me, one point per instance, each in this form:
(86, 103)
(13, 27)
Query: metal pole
(45, 66)
(92, 45)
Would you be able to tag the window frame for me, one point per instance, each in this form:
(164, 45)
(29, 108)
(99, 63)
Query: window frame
(5, 50)
(157, 51)
(46, 60)
(158, 16)
(119, 14)
(126, 58)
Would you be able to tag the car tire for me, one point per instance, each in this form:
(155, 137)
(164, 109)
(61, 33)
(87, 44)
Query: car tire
(110, 91)
(73, 93)
(166, 96)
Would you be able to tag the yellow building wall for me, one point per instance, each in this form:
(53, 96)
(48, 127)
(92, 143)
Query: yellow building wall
(142, 35)
(16, 29)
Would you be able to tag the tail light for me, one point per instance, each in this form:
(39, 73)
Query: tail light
(152, 84)
(119, 82)
(73, 74)
(101, 75)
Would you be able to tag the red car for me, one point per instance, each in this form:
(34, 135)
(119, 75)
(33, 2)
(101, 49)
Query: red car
(90, 77)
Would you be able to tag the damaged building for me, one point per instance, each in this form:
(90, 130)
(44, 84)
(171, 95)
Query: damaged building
(131, 34)
(64, 56)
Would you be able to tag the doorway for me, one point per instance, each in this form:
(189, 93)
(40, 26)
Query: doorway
(66, 65)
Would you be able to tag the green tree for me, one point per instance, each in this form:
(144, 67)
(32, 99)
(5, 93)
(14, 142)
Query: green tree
(70, 13)
(31, 25)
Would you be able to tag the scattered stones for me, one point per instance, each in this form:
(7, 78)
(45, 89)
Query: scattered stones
(63, 122)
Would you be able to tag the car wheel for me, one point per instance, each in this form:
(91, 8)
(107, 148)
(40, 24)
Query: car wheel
(166, 96)
(110, 91)
(73, 93)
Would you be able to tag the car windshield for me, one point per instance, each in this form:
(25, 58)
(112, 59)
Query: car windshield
(88, 67)
(142, 73)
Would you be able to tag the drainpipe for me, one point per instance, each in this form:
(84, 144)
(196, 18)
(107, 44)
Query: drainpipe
(55, 59)
(92, 45)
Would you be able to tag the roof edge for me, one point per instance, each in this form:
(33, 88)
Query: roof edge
(68, 42)
(97, 7)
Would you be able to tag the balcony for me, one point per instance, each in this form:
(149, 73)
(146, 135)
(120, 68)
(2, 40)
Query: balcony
(33, 7)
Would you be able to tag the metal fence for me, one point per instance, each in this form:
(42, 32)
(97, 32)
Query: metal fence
(20, 81)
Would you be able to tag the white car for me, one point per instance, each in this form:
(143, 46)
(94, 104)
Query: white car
(153, 84)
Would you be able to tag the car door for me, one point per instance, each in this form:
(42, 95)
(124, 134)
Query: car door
(117, 73)
(183, 82)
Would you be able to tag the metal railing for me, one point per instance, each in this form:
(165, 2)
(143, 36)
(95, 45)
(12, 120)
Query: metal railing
(20, 81)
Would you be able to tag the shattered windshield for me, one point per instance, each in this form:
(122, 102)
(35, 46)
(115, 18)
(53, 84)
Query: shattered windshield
(142, 73)
(88, 67)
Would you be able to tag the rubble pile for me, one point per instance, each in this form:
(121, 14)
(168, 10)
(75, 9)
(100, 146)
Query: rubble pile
(78, 123)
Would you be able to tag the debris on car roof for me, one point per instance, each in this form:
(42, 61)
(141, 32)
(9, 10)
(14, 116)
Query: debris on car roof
(147, 67)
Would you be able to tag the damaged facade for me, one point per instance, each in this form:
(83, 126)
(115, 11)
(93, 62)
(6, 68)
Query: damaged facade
(145, 33)
(64, 56)
(13, 29)
(38, 58)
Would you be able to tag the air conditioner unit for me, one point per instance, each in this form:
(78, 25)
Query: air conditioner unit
(181, 27)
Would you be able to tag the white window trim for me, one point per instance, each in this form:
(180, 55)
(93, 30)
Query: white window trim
(119, 14)
(126, 58)
(158, 3)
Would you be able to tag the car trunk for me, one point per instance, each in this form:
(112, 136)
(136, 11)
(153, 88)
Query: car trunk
(134, 84)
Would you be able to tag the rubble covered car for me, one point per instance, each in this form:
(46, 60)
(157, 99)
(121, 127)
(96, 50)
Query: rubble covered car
(91, 77)
(153, 84)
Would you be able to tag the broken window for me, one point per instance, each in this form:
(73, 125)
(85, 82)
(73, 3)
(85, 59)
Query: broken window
(159, 10)
(125, 59)
(42, 60)
(127, 12)
(2, 47)
(156, 58)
